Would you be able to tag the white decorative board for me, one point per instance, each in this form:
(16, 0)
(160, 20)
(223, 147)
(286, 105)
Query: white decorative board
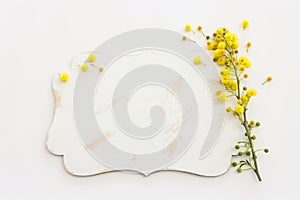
(148, 109)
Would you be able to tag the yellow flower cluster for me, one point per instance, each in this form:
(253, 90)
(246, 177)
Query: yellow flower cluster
(227, 81)
(223, 39)
(224, 46)
(243, 63)
(90, 59)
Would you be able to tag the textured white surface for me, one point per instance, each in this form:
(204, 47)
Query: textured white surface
(65, 139)
(39, 38)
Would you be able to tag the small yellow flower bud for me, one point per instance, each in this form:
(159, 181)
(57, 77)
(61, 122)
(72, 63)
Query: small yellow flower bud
(240, 102)
(234, 86)
(197, 60)
(218, 53)
(234, 37)
(242, 68)
(245, 24)
(199, 28)
(246, 75)
(228, 109)
(249, 44)
(64, 77)
(269, 78)
(101, 69)
(84, 67)
(91, 57)
(184, 37)
(222, 97)
(188, 27)
(245, 99)
(235, 45)
(251, 92)
(221, 61)
(221, 45)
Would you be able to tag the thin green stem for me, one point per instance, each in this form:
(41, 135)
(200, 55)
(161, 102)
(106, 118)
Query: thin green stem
(254, 157)
(245, 123)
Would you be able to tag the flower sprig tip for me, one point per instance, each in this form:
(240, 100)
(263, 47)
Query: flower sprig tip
(224, 46)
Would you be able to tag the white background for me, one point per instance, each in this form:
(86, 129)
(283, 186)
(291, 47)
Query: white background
(39, 38)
